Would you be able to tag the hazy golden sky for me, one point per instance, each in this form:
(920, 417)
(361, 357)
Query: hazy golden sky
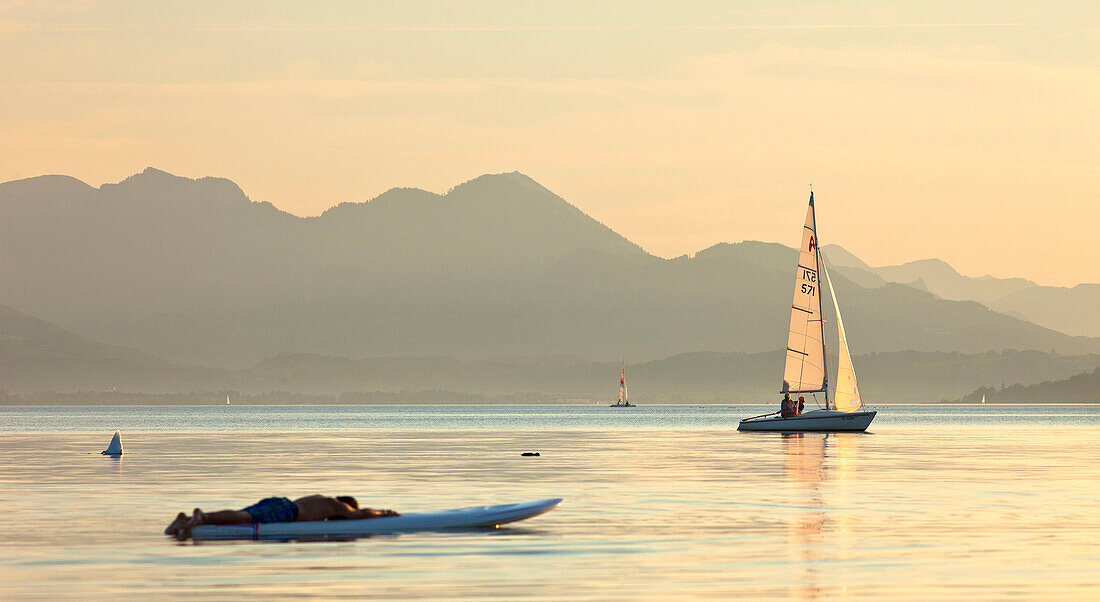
(968, 131)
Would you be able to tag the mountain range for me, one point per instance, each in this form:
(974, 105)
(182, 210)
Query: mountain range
(62, 367)
(194, 272)
(1070, 310)
(38, 356)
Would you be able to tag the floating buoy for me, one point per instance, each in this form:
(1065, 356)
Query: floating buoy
(115, 448)
(530, 454)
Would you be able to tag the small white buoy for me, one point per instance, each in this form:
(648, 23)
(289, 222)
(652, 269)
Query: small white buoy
(115, 448)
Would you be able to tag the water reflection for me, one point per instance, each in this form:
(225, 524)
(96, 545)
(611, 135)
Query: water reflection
(819, 466)
(947, 513)
(117, 461)
(805, 458)
(804, 454)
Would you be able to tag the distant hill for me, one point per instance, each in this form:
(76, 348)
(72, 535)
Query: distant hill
(36, 355)
(194, 272)
(936, 276)
(1073, 310)
(1080, 388)
(1068, 310)
(42, 363)
(687, 378)
(907, 376)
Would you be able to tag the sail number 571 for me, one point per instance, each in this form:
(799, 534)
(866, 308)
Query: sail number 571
(811, 276)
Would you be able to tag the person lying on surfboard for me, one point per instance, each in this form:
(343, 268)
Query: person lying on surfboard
(278, 510)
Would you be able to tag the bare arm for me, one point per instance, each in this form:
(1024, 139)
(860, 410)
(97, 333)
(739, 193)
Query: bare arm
(371, 513)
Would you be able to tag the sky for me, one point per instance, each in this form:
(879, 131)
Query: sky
(967, 131)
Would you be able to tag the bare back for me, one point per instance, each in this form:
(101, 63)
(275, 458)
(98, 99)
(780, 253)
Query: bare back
(321, 507)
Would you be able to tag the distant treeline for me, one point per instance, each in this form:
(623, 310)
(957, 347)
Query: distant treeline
(705, 377)
(1082, 388)
(108, 398)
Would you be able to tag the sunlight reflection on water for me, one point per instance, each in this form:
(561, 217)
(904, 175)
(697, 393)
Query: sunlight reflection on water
(955, 502)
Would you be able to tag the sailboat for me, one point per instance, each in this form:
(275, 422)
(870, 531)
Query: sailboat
(622, 403)
(227, 400)
(114, 448)
(805, 371)
(983, 398)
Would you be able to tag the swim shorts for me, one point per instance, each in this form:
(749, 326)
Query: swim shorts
(273, 510)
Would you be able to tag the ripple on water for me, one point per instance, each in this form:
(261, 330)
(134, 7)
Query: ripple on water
(936, 502)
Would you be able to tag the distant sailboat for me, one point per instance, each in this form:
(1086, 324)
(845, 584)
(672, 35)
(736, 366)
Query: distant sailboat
(623, 402)
(805, 370)
(114, 448)
(227, 400)
(983, 398)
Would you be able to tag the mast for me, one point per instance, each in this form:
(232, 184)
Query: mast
(824, 347)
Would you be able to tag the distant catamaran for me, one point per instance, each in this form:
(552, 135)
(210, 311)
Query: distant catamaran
(805, 371)
(623, 402)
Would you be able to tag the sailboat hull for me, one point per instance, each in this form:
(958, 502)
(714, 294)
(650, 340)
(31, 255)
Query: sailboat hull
(816, 420)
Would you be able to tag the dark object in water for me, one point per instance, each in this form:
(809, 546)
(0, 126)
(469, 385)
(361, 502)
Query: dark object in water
(530, 454)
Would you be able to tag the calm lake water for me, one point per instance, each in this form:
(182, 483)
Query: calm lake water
(978, 502)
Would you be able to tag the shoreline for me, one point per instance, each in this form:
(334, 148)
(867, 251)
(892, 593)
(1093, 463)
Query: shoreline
(519, 403)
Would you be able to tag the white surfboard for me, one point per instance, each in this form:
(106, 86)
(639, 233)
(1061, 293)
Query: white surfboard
(459, 518)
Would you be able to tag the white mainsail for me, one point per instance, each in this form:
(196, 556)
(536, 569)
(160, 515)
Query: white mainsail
(846, 397)
(804, 371)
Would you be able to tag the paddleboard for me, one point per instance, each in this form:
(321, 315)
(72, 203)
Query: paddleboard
(459, 518)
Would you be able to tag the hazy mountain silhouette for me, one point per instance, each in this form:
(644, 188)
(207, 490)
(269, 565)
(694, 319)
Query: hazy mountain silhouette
(1079, 388)
(1068, 310)
(193, 271)
(36, 355)
(1072, 310)
(937, 276)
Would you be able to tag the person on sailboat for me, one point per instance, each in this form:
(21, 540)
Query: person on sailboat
(801, 406)
(786, 410)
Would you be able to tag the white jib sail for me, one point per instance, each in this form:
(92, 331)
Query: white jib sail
(804, 371)
(846, 398)
(622, 385)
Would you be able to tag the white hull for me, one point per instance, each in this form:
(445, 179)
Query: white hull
(815, 420)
